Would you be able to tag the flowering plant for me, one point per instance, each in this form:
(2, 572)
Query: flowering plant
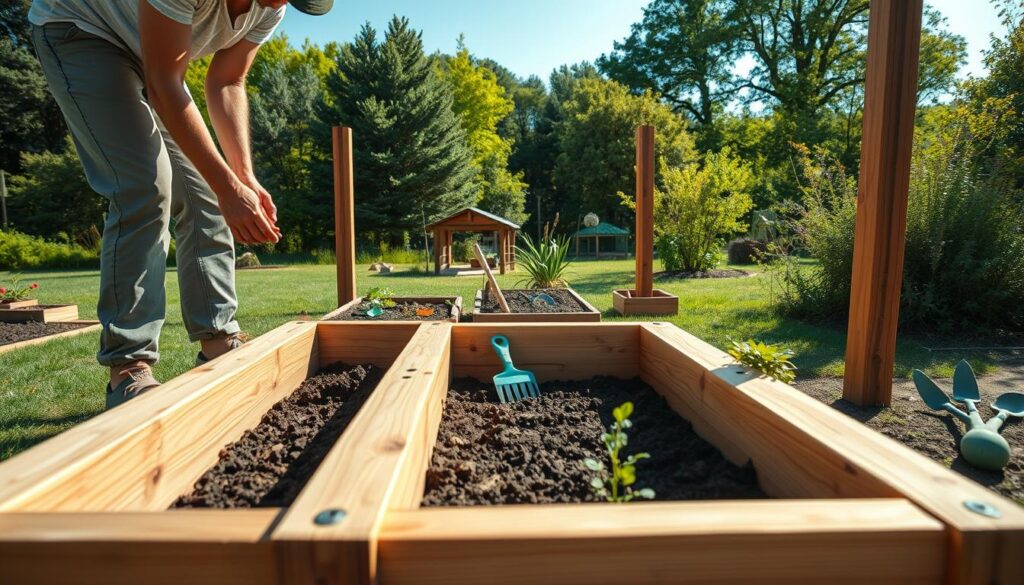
(15, 291)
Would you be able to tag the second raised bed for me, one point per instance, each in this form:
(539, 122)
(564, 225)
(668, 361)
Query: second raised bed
(523, 310)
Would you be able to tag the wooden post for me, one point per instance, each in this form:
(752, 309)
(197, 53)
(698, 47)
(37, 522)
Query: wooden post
(644, 211)
(890, 96)
(3, 199)
(344, 214)
(500, 247)
(438, 246)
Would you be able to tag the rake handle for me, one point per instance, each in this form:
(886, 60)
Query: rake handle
(500, 344)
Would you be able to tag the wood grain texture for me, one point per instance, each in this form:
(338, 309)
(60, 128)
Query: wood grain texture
(626, 302)
(890, 97)
(200, 547)
(644, 211)
(41, 313)
(356, 342)
(89, 327)
(802, 448)
(809, 542)
(588, 315)
(456, 310)
(491, 282)
(344, 213)
(144, 454)
(387, 443)
(564, 351)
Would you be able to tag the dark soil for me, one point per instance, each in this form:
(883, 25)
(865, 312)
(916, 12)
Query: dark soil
(716, 273)
(532, 451)
(519, 301)
(402, 311)
(935, 434)
(15, 332)
(271, 463)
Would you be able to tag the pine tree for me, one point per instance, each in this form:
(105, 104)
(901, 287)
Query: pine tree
(411, 153)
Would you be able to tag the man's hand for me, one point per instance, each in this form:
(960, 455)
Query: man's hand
(266, 201)
(244, 213)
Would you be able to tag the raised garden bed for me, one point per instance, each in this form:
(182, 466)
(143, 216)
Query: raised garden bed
(18, 335)
(41, 313)
(405, 309)
(569, 307)
(19, 304)
(848, 505)
(625, 302)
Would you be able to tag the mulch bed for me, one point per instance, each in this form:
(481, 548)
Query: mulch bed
(271, 463)
(15, 332)
(935, 434)
(402, 311)
(716, 273)
(519, 301)
(532, 451)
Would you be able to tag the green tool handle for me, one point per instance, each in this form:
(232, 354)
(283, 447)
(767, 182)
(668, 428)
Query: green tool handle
(996, 422)
(500, 344)
(967, 420)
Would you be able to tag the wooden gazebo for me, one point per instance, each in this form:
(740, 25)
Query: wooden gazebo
(475, 220)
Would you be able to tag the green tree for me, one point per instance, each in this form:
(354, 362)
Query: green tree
(412, 155)
(598, 146)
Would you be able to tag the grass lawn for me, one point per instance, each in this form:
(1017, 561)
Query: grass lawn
(47, 388)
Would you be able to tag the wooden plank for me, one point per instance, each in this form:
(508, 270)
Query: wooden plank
(41, 313)
(344, 214)
(807, 542)
(379, 463)
(589, 315)
(802, 448)
(89, 327)
(890, 96)
(644, 210)
(19, 304)
(491, 282)
(198, 547)
(143, 455)
(562, 351)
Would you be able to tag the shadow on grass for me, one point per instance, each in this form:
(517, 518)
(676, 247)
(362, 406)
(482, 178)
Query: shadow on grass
(35, 430)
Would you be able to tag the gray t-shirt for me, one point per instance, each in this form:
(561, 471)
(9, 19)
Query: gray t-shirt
(117, 21)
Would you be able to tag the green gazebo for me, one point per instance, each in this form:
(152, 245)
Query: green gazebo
(588, 240)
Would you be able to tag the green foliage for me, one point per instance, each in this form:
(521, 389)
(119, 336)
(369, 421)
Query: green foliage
(24, 252)
(697, 207)
(381, 296)
(53, 199)
(13, 290)
(617, 485)
(545, 262)
(413, 155)
(772, 360)
(597, 137)
(385, 253)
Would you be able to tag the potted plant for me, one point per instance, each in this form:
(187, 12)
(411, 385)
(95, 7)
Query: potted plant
(17, 305)
(14, 295)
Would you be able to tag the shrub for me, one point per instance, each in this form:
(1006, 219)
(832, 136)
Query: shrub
(698, 207)
(462, 249)
(545, 263)
(747, 251)
(23, 252)
(381, 254)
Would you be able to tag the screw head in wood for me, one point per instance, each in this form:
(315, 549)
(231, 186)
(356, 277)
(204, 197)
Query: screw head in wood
(329, 517)
(985, 509)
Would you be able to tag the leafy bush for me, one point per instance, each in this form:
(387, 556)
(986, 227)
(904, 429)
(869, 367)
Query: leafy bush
(385, 254)
(545, 263)
(746, 251)
(462, 249)
(23, 252)
(616, 485)
(772, 360)
(698, 207)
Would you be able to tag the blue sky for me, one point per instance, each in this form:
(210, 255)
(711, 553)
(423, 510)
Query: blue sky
(532, 37)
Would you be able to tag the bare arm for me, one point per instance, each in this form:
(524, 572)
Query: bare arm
(165, 45)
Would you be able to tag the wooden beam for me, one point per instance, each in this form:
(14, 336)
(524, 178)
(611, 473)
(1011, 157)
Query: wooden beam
(344, 214)
(883, 541)
(492, 283)
(890, 97)
(644, 211)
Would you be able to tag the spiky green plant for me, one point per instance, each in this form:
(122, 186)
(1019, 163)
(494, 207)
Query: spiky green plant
(770, 359)
(545, 263)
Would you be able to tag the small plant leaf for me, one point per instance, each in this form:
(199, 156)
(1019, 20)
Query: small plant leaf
(597, 483)
(646, 493)
(593, 464)
(623, 411)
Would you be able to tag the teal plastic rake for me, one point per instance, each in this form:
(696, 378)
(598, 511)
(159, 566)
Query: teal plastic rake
(512, 384)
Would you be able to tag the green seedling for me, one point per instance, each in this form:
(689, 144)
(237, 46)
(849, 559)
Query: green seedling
(617, 485)
(770, 359)
(381, 296)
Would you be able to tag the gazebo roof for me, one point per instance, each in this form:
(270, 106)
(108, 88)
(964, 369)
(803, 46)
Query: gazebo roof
(473, 210)
(602, 229)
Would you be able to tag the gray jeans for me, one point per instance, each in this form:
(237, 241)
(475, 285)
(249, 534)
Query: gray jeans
(132, 161)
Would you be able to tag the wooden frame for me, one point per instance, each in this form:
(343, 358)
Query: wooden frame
(88, 506)
(589, 314)
(660, 302)
(42, 313)
(454, 318)
(19, 304)
(87, 327)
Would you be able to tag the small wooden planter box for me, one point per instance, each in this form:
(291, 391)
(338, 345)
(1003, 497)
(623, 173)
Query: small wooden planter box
(89, 506)
(19, 304)
(43, 313)
(588, 315)
(87, 327)
(454, 318)
(662, 303)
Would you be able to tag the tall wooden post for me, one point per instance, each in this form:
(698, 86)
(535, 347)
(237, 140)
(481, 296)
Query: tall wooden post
(890, 97)
(344, 214)
(644, 211)
(3, 199)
